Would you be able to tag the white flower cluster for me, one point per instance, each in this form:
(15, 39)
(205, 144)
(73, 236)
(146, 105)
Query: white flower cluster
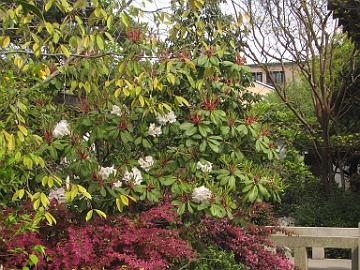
(61, 129)
(116, 110)
(58, 194)
(86, 136)
(206, 168)
(64, 161)
(166, 118)
(105, 172)
(133, 176)
(117, 184)
(146, 163)
(201, 194)
(154, 130)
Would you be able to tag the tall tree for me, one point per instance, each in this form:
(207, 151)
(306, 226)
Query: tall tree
(303, 33)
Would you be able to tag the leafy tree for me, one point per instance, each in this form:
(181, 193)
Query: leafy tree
(347, 12)
(303, 33)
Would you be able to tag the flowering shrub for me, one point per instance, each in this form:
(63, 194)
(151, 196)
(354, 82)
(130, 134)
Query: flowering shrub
(144, 117)
(100, 116)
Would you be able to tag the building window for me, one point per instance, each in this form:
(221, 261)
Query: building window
(257, 76)
(277, 76)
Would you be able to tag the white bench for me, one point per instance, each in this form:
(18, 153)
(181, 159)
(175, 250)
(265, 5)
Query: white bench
(318, 238)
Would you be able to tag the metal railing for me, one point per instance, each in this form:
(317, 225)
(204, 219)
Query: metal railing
(318, 238)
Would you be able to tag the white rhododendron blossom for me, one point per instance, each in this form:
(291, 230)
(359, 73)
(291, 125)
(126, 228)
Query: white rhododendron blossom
(133, 176)
(117, 184)
(57, 194)
(201, 194)
(166, 118)
(105, 172)
(61, 129)
(154, 130)
(64, 161)
(161, 119)
(205, 167)
(146, 163)
(171, 117)
(116, 110)
(86, 137)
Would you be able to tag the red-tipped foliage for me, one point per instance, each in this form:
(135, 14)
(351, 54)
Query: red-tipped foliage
(248, 244)
(151, 242)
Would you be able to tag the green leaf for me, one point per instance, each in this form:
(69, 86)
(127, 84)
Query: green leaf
(181, 209)
(167, 180)
(217, 210)
(100, 42)
(182, 101)
(34, 259)
(109, 22)
(253, 194)
(100, 213)
(49, 28)
(50, 218)
(231, 183)
(214, 146)
(242, 129)
(5, 41)
(171, 78)
(227, 63)
(67, 7)
(31, 8)
(44, 200)
(203, 146)
(191, 131)
(214, 60)
(27, 161)
(89, 215)
(202, 130)
(49, 5)
(124, 200)
(125, 19)
(65, 50)
(263, 191)
(202, 60)
(186, 125)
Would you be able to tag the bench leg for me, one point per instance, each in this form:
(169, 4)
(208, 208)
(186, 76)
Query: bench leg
(355, 259)
(318, 253)
(300, 257)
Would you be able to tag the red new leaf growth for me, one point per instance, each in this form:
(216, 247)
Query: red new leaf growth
(249, 120)
(195, 119)
(151, 241)
(209, 104)
(134, 35)
(248, 244)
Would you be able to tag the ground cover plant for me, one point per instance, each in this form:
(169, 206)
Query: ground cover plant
(102, 120)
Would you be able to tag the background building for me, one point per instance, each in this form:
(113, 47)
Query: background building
(280, 72)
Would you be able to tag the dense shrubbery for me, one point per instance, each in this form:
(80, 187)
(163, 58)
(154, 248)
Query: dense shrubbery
(101, 120)
(153, 240)
(137, 126)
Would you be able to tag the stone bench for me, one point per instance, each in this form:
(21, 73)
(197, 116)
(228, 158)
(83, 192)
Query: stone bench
(318, 238)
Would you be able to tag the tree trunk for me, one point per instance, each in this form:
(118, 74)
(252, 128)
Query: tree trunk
(326, 166)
